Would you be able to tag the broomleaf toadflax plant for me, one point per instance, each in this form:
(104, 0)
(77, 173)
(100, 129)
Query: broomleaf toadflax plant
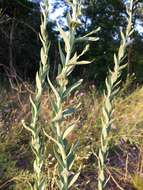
(64, 151)
(112, 88)
(35, 129)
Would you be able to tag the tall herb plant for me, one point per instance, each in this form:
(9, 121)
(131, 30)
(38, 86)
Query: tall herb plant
(112, 88)
(64, 151)
(34, 128)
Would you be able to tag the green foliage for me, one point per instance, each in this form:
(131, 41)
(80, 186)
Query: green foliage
(66, 115)
(127, 128)
(112, 85)
(15, 157)
(128, 120)
(64, 152)
(35, 128)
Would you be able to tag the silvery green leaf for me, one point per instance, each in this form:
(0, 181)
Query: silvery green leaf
(28, 128)
(68, 131)
(58, 157)
(65, 38)
(123, 37)
(93, 32)
(92, 39)
(101, 159)
(116, 84)
(121, 52)
(131, 32)
(83, 52)
(70, 160)
(58, 117)
(74, 179)
(58, 144)
(34, 110)
(73, 148)
(108, 85)
(83, 62)
(68, 112)
(38, 85)
(72, 87)
(70, 69)
(51, 138)
(54, 89)
(65, 173)
(123, 66)
(43, 57)
(105, 114)
(36, 167)
(114, 94)
(54, 107)
(41, 39)
(59, 68)
(62, 181)
(88, 37)
(73, 60)
(108, 107)
(115, 60)
(69, 19)
(131, 4)
(62, 56)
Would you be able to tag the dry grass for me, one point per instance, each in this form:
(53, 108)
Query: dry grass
(125, 159)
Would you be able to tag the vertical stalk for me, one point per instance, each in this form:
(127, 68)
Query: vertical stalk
(34, 128)
(112, 86)
(63, 150)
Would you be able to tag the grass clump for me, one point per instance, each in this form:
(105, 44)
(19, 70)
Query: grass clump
(126, 129)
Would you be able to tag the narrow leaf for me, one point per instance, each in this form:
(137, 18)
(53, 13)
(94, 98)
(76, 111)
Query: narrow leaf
(74, 179)
(72, 87)
(83, 62)
(68, 131)
(62, 56)
(58, 157)
(65, 38)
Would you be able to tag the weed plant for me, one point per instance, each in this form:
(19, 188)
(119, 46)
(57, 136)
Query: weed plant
(34, 128)
(66, 118)
(64, 153)
(112, 85)
(63, 150)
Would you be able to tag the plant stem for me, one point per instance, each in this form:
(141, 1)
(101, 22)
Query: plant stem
(34, 128)
(63, 150)
(112, 85)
